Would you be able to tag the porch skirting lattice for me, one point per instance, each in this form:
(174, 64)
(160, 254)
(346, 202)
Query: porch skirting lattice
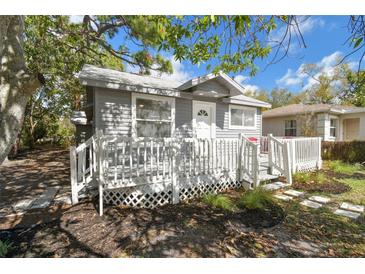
(158, 194)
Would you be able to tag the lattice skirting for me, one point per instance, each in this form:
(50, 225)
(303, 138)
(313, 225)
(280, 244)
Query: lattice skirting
(198, 186)
(148, 196)
(158, 194)
(307, 166)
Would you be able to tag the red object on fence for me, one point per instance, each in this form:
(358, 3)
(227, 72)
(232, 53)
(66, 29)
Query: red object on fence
(252, 139)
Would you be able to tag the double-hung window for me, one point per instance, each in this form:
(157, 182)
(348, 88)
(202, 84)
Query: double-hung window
(290, 128)
(242, 117)
(153, 116)
(333, 127)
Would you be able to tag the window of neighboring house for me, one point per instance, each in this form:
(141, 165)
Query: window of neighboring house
(242, 117)
(290, 128)
(333, 127)
(153, 116)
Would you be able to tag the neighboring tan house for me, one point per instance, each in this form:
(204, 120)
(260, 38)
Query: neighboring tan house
(127, 104)
(331, 122)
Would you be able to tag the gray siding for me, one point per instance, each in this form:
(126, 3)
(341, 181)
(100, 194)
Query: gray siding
(113, 115)
(113, 112)
(212, 85)
(183, 117)
(222, 123)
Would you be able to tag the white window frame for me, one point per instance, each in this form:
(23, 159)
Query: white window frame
(151, 97)
(296, 128)
(213, 108)
(335, 127)
(243, 108)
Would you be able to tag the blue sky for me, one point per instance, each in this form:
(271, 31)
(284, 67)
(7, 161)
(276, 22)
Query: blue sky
(324, 36)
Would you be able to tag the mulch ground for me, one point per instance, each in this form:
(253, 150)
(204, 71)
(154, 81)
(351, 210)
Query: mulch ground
(191, 229)
(31, 173)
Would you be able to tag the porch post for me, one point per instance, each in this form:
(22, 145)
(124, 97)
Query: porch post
(319, 147)
(240, 146)
(100, 152)
(287, 164)
(73, 170)
(175, 186)
(270, 153)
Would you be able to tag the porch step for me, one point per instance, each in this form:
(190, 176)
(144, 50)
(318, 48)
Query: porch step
(275, 186)
(267, 177)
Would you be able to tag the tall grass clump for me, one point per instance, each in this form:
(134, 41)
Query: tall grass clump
(218, 201)
(341, 167)
(4, 248)
(257, 198)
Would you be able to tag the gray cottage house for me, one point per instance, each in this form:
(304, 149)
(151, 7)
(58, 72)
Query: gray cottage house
(145, 141)
(127, 104)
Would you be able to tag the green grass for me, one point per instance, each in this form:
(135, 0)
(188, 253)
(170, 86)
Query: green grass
(4, 248)
(219, 201)
(257, 198)
(357, 193)
(341, 167)
(301, 177)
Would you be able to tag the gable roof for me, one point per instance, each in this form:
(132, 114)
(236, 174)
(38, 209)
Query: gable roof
(221, 76)
(297, 109)
(108, 78)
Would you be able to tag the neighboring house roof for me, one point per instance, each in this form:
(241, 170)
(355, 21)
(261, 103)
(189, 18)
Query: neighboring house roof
(297, 109)
(108, 78)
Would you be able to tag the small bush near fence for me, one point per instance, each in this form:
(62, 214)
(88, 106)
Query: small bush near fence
(351, 152)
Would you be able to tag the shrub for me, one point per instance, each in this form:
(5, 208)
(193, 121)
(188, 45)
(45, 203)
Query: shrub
(351, 152)
(257, 198)
(218, 201)
(4, 248)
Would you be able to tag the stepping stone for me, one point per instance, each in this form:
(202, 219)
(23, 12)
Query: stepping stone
(311, 204)
(320, 199)
(275, 186)
(23, 205)
(40, 203)
(294, 193)
(352, 207)
(283, 197)
(349, 214)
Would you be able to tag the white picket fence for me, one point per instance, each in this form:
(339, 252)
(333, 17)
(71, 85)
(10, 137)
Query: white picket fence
(149, 172)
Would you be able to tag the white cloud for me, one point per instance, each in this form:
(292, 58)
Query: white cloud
(241, 79)
(326, 66)
(289, 79)
(306, 25)
(76, 19)
(180, 74)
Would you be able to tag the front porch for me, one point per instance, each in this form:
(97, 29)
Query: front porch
(149, 172)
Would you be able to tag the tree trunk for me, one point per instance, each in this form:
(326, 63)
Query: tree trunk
(16, 83)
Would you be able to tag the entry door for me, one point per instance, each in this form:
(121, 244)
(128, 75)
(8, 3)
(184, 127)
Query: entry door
(351, 128)
(204, 119)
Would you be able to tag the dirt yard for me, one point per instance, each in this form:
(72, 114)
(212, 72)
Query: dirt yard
(31, 173)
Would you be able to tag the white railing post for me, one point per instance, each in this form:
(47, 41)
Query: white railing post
(174, 181)
(240, 162)
(319, 147)
(293, 165)
(255, 168)
(73, 170)
(100, 152)
(270, 153)
(287, 164)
